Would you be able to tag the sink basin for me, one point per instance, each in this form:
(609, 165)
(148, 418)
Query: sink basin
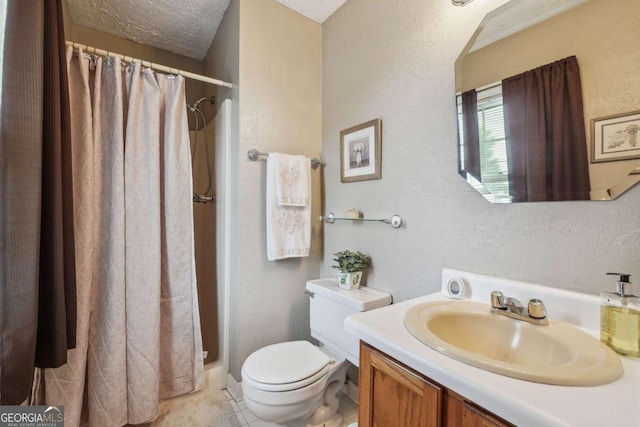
(558, 353)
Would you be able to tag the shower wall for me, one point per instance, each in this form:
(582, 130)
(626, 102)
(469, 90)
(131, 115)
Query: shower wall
(204, 216)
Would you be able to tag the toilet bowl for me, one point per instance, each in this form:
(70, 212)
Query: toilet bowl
(293, 383)
(296, 383)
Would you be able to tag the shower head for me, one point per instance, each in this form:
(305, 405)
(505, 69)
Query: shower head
(195, 105)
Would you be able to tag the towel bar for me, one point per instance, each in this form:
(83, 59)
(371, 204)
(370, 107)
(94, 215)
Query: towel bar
(255, 155)
(395, 221)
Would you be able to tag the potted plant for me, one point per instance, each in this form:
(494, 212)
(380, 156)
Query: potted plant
(351, 265)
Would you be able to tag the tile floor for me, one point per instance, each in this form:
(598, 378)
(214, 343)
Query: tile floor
(212, 407)
(347, 409)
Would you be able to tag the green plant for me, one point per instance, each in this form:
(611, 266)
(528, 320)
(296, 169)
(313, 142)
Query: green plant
(350, 262)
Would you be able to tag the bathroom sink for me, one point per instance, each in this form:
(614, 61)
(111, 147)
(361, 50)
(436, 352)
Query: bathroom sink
(557, 353)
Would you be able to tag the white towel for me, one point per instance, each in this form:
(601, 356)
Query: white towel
(288, 227)
(293, 179)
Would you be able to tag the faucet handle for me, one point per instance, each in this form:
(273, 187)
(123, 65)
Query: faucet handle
(536, 309)
(515, 306)
(498, 300)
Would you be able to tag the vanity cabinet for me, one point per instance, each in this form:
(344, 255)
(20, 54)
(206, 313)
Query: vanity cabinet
(392, 394)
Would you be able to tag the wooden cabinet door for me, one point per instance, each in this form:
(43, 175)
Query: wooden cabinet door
(460, 413)
(393, 395)
(477, 417)
(452, 410)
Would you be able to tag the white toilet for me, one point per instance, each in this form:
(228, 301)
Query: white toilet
(295, 383)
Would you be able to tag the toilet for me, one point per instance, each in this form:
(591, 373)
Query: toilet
(296, 383)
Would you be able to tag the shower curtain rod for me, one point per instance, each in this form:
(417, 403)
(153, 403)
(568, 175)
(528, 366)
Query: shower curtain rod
(152, 65)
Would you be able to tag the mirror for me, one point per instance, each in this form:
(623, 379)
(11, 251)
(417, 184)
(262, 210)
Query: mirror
(525, 34)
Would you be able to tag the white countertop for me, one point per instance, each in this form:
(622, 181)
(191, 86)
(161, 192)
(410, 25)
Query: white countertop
(522, 403)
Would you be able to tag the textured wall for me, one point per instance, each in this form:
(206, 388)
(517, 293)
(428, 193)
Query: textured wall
(382, 60)
(280, 110)
(223, 57)
(223, 60)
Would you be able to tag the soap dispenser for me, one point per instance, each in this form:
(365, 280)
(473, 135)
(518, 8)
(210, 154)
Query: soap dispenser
(620, 318)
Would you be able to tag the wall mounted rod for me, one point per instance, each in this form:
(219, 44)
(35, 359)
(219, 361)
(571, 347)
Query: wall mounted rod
(255, 155)
(152, 65)
(394, 221)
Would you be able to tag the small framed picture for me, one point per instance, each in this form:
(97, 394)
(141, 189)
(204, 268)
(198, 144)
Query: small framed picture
(361, 152)
(615, 137)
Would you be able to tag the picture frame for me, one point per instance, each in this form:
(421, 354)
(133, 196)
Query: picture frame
(361, 152)
(615, 137)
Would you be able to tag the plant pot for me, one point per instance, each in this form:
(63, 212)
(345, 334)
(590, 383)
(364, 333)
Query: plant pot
(350, 280)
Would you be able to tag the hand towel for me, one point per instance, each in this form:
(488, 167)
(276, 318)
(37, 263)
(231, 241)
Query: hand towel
(288, 227)
(293, 179)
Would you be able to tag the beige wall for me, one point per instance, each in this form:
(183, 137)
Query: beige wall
(223, 60)
(277, 104)
(91, 37)
(603, 35)
(397, 63)
(280, 110)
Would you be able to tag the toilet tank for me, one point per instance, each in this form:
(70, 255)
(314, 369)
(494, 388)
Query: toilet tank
(329, 307)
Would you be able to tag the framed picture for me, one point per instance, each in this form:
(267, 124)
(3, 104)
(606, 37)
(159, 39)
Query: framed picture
(361, 152)
(615, 137)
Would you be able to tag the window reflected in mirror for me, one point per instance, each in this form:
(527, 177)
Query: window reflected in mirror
(493, 181)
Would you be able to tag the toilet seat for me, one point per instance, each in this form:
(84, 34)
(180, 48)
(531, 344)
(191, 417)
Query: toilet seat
(286, 366)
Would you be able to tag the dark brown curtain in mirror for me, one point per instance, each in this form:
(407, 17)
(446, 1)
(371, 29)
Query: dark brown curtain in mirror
(470, 132)
(37, 267)
(545, 131)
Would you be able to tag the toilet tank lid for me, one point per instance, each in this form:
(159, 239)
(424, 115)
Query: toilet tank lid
(362, 299)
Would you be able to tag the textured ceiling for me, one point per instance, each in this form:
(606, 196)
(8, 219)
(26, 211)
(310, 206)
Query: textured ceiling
(186, 27)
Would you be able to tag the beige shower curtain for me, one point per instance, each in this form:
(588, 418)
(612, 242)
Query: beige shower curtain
(138, 338)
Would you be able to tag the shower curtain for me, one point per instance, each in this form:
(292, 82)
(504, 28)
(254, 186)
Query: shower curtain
(138, 335)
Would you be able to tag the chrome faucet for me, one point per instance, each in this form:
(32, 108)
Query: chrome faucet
(534, 313)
